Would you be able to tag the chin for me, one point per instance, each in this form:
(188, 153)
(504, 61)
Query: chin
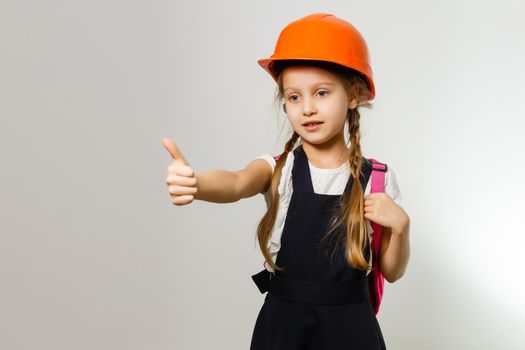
(316, 141)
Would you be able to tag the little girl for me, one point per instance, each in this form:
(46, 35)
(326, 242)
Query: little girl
(316, 234)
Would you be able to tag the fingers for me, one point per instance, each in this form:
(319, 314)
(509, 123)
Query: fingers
(182, 190)
(176, 190)
(176, 168)
(372, 198)
(375, 195)
(181, 180)
(173, 150)
(182, 200)
(171, 147)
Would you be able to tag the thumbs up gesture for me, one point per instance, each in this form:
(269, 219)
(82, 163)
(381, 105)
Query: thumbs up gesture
(181, 180)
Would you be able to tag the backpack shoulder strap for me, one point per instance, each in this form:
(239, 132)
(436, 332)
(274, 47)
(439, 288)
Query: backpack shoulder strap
(376, 279)
(378, 175)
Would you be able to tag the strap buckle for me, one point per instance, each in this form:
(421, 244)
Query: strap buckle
(379, 166)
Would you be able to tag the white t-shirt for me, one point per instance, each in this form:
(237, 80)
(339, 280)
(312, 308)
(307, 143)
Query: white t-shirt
(325, 181)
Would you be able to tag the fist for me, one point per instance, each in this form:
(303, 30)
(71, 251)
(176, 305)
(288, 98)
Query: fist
(381, 209)
(181, 180)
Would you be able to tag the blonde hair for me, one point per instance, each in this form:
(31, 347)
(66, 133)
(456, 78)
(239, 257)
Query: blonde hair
(351, 207)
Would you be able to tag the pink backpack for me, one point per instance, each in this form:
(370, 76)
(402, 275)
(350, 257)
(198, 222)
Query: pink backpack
(375, 277)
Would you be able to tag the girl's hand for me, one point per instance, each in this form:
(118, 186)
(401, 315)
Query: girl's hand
(181, 180)
(381, 209)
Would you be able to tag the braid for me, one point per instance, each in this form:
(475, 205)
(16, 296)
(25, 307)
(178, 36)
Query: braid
(291, 142)
(355, 142)
(266, 224)
(351, 205)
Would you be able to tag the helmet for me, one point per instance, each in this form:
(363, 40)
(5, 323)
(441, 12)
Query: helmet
(322, 37)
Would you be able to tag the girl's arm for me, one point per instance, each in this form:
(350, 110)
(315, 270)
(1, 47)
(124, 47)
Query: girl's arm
(395, 250)
(222, 186)
(254, 179)
(216, 186)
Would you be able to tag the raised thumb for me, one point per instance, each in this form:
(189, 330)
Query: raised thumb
(173, 150)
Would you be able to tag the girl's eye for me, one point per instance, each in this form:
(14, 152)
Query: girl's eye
(291, 96)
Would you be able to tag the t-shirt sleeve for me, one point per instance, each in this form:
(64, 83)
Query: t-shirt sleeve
(269, 158)
(392, 187)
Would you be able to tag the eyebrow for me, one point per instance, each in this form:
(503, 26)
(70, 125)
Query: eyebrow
(318, 84)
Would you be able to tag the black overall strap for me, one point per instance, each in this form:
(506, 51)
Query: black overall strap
(313, 291)
(302, 178)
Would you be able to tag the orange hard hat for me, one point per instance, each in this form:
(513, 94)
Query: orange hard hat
(322, 37)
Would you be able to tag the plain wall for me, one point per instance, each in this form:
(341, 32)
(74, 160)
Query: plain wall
(93, 255)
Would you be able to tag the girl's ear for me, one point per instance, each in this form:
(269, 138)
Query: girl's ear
(352, 103)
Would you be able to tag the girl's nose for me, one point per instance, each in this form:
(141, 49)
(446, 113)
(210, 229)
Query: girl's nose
(308, 107)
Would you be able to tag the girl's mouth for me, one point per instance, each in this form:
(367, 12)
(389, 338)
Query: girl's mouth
(313, 126)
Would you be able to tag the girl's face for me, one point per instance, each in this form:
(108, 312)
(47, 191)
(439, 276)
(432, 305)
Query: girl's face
(315, 94)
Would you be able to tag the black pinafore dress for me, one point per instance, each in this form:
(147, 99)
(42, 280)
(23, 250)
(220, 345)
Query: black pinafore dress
(316, 302)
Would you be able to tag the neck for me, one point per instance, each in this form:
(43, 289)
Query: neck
(327, 155)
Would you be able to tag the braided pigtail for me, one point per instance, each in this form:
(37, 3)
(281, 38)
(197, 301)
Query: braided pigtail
(267, 222)
(350, 214)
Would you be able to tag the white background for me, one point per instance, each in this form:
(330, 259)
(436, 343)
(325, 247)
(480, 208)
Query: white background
(93, 255)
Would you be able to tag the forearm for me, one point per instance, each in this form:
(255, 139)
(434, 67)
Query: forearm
(395, 258)
(217, 186)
